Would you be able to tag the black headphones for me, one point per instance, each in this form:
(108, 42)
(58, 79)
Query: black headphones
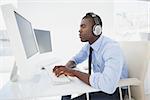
(97, 28)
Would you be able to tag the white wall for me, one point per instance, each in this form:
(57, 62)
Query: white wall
(63, 20)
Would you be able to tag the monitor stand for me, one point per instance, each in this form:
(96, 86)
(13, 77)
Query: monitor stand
(14, 74)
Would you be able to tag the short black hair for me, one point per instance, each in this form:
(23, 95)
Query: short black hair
(89, 16)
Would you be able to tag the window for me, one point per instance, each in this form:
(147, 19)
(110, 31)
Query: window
(2, 2)
(5, 49)
(131, 19)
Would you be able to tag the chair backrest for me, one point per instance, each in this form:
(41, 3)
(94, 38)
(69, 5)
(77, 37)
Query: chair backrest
(137, 56)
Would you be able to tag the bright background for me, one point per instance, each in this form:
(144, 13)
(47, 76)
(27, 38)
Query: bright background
(122, 20)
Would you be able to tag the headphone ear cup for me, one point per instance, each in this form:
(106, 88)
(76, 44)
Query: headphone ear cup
(97, 29)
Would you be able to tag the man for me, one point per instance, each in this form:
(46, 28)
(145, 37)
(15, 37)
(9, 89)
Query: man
(105, 59)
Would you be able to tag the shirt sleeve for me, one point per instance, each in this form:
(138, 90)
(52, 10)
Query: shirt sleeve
(108, 79)
(82, 55)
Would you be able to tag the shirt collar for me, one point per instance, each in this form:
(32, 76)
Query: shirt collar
(96, 45)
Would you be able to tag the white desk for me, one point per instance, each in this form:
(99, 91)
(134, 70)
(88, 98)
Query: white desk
(41, 86)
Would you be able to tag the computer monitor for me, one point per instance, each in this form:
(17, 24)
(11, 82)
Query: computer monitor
(43, 38)
(27, 35)
(22, 40)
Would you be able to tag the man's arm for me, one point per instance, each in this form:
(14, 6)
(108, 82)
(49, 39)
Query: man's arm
(82, 76)
(67, 70)
(71, 72)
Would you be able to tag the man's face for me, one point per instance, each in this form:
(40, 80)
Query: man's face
(85, 30)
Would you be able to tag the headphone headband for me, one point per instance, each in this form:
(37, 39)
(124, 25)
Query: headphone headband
(94, 16)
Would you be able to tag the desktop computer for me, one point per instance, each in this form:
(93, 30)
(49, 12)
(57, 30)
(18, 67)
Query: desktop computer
(22, 41)
(26, 44)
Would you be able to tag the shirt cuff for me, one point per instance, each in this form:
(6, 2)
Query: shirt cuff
(73, 59)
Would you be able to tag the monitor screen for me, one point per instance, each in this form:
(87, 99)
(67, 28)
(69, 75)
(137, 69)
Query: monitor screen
(27, 35)
(43, 38)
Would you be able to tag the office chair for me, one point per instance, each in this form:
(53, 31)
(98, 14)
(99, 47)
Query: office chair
(137, 56)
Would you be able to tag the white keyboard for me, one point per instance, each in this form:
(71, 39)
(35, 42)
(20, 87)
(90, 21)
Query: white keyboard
(57, 80)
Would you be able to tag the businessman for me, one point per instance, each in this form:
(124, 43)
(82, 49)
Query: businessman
(105, 58)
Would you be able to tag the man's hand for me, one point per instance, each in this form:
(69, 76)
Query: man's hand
(62, 70)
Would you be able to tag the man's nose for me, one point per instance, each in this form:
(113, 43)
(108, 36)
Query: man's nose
(79, 30)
